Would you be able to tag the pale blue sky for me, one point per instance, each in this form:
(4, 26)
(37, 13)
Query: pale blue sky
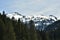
(31, 7)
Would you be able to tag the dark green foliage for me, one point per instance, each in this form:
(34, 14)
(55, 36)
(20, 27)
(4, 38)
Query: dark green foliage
(6, 28)
(33, 33)
(11, 29)
(1, 29)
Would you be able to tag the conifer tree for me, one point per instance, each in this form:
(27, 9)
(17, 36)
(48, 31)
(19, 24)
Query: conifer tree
(9, 33)
(2, 25)
(18, 28)
(33, 34)
(4, 16)
(47, 36)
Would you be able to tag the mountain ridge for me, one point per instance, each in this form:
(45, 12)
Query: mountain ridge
(40, 21)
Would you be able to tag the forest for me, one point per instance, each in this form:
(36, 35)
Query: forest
(11, 29)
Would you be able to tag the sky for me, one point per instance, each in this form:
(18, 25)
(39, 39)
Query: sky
(31, 7)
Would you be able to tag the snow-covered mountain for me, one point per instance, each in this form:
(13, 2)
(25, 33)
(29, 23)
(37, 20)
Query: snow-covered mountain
(40, 21)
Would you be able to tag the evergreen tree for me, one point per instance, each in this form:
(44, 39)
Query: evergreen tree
(33, 34)
(9, 33)
(2, 25)
(4, 16)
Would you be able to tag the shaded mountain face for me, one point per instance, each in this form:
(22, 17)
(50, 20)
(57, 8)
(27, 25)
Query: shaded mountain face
(53, 30)
(53, 26)
(41, 21)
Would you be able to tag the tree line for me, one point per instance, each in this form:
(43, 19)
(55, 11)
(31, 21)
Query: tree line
(11, 29)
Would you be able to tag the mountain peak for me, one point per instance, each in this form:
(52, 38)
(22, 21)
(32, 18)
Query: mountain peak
(17, 13)
(53, 17)
(40, 21)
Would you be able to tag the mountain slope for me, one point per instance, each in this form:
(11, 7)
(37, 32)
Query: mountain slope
(41, 21)
(54, 26)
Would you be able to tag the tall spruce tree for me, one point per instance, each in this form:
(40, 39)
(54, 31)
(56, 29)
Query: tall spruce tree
(2, 25)
(33, 34)
(19, 32)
